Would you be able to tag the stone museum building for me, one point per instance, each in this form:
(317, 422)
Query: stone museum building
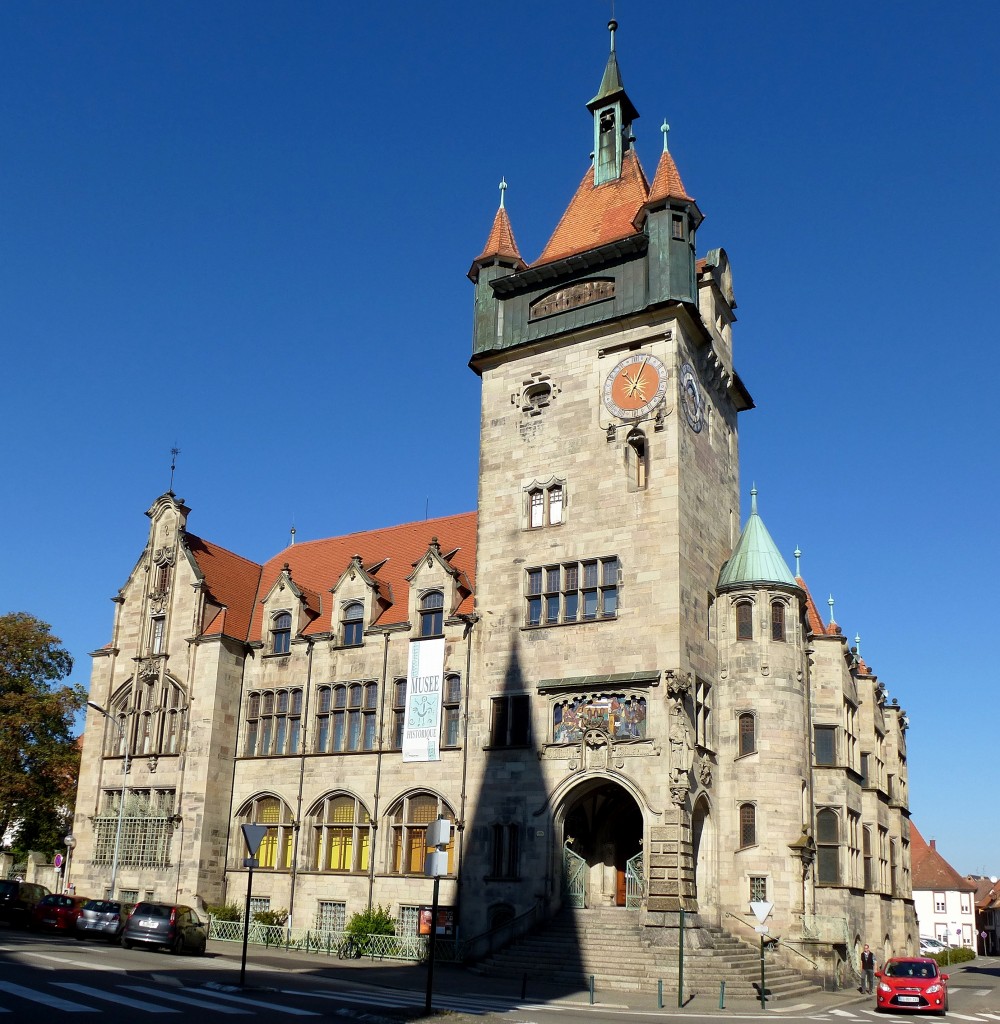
(612, 685)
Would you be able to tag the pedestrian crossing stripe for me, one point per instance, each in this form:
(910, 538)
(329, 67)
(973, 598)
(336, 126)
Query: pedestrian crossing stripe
(184, 1000)
(55, 1002)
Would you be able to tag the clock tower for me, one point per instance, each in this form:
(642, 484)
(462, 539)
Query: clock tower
(608, 502)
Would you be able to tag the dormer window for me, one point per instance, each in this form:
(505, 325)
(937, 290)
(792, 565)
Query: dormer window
(432, 614)
(353, 624)
(281, 633)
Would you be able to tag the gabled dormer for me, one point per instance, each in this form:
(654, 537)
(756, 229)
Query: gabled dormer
(437, 589)
(288, 610)
(613, 114)
(356, 604)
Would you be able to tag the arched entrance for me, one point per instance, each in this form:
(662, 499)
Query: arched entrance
(602, 832)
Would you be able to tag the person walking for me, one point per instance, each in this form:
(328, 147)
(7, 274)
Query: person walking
(867, 971)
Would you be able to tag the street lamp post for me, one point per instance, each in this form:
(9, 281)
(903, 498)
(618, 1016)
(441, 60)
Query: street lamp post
(121, 803)
(70, 842)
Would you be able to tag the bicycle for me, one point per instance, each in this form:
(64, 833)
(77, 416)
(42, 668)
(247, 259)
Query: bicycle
(350, 948)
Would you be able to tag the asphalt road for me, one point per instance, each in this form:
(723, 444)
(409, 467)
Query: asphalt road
(44, 978)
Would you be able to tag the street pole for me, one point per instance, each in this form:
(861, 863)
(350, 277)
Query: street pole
(70, 842)
(121, 803)
(250, 863)
(431, 944)
(763, 995)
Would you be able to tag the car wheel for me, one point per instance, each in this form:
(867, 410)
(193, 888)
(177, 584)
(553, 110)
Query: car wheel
(80, 936)
(200, 951)
(178, 946)
(126, 944)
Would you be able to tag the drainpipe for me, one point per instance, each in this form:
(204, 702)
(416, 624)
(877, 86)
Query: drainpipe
(470, 622)
(297, 827)
(378, 767)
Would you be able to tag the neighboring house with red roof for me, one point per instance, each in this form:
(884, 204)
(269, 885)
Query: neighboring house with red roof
(617, 696)
(944, 899)
(987, 903)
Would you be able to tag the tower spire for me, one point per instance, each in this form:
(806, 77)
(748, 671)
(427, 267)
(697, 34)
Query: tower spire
(613, 116)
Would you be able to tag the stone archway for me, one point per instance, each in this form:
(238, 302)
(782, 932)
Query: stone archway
(603, 826)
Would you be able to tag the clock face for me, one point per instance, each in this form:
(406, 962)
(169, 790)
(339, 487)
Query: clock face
(691, 400)
(635, 386)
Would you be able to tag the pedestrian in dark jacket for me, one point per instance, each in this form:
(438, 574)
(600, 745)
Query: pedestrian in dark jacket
(867, 970)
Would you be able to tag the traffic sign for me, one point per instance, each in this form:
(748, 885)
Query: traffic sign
(761, 908)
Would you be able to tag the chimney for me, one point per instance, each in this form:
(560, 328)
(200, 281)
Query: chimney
(933, 844)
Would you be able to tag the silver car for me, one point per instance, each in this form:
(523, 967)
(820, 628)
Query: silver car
(102, 919)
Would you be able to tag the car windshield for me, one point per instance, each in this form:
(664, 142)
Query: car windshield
(911, 969)
(7, 887)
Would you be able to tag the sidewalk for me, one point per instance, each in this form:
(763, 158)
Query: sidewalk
(271, 968)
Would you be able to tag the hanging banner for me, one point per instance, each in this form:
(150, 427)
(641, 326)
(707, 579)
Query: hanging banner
(424, 693)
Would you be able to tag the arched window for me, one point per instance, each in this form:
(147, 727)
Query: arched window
(748, 825)
(827, 847)
(342, 832)
(748, 733)
(778, 621)
(281, 633)
(352, 624)
(274, 722)
(744, 620)
(345, 717)
(275, 852)
(408, 820)
(432, 614)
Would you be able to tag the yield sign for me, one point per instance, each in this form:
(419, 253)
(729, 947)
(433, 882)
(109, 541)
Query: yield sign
(760, 908)
(253, 836)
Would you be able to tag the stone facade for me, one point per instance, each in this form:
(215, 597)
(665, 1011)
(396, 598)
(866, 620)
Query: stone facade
(641, 705)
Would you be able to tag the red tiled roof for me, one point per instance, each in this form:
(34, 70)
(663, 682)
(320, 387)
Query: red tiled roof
(230, 580)
(929, 870)
(816, 624)
(667, 182)
(599, 214)
(316, 566)
(501, 239)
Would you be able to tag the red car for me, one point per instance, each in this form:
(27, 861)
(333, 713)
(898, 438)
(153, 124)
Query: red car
(911, 983)
(57, 912)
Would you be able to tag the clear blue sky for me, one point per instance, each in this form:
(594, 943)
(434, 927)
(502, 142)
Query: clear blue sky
(243, 228)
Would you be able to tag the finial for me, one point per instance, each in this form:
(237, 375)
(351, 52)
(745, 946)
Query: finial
(503, 188)
(292, 531)
(174, 452)
(753, 500)
(830, 603)
(798, 555)
(857, 643)
(665, 128)
(612, 27)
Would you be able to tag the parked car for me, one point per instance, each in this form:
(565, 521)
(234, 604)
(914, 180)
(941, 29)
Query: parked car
(57, 912)
(929, 946)
(18, 899)
(102, 919)
(167, 926)
(911, 983)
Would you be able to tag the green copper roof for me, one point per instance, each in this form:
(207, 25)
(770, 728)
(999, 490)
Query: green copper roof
(756, 558)
(612, 89)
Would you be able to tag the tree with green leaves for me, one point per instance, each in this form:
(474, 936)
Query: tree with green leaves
(39, 756)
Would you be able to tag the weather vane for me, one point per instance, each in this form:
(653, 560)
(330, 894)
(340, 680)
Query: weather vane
(174, 452)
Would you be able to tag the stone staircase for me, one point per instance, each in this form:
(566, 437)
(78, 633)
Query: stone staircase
(611, 945)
